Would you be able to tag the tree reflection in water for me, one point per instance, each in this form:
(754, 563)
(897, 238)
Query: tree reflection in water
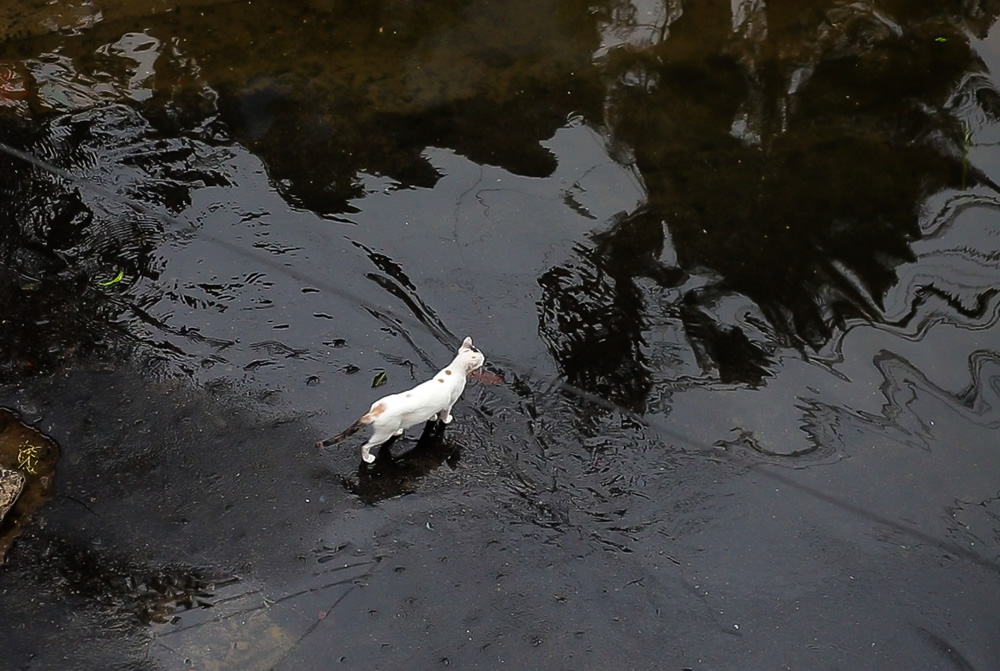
(787, 153)
(786, 150)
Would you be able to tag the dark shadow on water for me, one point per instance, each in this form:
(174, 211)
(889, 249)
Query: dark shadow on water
(395, 475)
(151, 595)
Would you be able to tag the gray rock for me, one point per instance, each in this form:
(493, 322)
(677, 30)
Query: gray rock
(11, 484)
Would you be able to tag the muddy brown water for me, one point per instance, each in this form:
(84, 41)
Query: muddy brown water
(733, 266)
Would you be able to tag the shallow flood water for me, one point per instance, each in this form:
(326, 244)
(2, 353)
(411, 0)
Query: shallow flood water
(733, 266)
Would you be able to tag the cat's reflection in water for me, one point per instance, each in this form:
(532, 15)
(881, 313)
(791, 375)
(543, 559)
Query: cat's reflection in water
(391, 475)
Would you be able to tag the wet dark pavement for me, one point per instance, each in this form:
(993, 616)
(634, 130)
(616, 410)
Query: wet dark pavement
(733, 268)
(726, 568)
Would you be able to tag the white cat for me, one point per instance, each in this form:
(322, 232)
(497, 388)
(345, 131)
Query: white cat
(393, 414)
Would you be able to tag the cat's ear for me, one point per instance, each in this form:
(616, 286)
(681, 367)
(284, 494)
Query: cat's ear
(466, 344)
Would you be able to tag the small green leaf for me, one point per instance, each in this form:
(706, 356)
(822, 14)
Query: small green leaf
(940, 39)
(118, 278)
(380, 379)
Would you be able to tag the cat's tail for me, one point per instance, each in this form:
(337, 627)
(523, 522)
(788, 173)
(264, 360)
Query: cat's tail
(346, 433)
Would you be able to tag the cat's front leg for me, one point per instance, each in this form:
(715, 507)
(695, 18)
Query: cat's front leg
(445, 416)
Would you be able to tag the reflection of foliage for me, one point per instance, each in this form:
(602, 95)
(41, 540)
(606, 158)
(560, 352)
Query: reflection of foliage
(785, 148)
(788, 167)
(370, 89)
(47, 309)
(58, 242)
(592, 326)
(809, 214)
(591, 312)
(593, 316)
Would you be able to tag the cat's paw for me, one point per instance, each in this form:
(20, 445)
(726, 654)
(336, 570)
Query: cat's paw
(447, 419)
(399, 433)
(368, 457)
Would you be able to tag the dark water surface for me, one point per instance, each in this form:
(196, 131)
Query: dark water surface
(735, 268)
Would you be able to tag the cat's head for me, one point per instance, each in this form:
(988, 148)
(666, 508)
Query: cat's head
(469, 357)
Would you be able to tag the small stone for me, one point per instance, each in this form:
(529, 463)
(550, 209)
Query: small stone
(11, 484)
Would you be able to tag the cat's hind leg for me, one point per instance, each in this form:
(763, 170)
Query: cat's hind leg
(380, 436)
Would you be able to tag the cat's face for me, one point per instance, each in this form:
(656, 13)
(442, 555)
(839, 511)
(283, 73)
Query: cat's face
(470, 357)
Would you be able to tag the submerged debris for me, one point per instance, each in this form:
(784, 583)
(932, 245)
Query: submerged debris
(11, 483)
(27, 465)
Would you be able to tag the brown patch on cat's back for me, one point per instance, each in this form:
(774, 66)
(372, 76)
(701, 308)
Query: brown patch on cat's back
(441, 380)
(377, 410)
(447, 371)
